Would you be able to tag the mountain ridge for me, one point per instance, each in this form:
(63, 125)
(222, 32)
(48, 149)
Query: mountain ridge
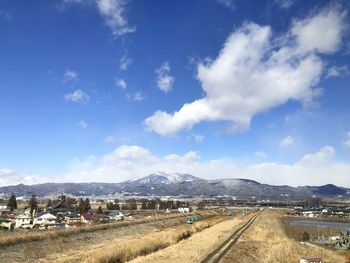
(180, 184)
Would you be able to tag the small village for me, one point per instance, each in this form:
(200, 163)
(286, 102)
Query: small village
(66, 212)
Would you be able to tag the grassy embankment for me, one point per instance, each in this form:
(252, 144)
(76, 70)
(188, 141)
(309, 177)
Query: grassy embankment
(16, 237)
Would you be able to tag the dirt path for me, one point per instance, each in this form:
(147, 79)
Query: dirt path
(198, 246)
(266, 241)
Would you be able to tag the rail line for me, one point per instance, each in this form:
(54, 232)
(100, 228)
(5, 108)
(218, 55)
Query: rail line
(222, 250)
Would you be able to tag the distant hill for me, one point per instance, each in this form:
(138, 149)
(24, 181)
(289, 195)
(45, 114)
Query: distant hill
(178, 184)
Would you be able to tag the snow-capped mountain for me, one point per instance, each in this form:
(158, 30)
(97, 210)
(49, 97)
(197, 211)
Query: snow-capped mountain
(165, 178)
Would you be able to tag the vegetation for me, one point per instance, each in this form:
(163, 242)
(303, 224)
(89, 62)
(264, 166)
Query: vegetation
(12, 203)
(33, 205)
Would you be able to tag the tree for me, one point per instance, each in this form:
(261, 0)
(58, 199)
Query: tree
(99, 210)
(12, 203)
(49, 203)
(87, 204)
(33, 204)
(306, 236)
(81, 206)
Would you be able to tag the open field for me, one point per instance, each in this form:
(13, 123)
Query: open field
(81, 245)
(267, 241)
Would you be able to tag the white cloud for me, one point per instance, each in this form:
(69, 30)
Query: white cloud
(110, 140)
(164, 80)
(228, 3)
(198, 138)
(338, 71)
(321, 32)
(125, 62)
(260, 154)
(284, 3)
(139, 96)
(70, 75)
(347, 141)
(120, 83)
(82, 124)
(287, 141)
(324, 154)
(255, 72)
(77, 96)
(113, 13)
(13, 177)
(130, 161)
(127, 162)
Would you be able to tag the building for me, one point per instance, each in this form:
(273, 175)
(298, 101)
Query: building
(45, 219)
(115, 215)
(311, 260)
(86, 218)
(23, 221)
(184, 209)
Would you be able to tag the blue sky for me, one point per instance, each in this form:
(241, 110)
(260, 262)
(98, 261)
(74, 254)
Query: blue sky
(108, 90)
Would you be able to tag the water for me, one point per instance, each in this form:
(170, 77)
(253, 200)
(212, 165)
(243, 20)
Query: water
(324, 224)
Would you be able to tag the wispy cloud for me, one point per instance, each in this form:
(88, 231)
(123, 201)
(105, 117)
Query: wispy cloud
(287, 141)
(125, 62)
(139, 96)
(228, 3)
(5, 15)
(77, 96)
(82, 124)
(164, 80)
(70, 75)
(347, 140)
(112, 12)
(338, 71)
(285, 4)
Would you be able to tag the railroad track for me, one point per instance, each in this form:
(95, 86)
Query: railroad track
(222, 250)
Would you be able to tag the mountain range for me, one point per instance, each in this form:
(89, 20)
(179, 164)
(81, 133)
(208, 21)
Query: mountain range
(178, 184)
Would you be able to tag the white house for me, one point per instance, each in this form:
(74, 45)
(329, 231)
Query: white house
(115, 215)
(184, 209)
(45, 219)
(23, 221)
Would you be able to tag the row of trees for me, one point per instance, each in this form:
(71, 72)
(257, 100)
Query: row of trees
(33, 203)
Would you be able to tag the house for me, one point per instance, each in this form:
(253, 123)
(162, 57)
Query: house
(115, 215)
(45, 219)
(311, 260)
(6, 224)
(184, 209)
(72, 218)
(23, 221)
(86, 218)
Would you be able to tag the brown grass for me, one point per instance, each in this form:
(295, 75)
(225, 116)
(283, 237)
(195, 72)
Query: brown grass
(130, 249)
(266, 241)
(16, 237)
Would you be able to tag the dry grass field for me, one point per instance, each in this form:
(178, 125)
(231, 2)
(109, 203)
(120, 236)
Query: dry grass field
(80, 245)
(267, 241)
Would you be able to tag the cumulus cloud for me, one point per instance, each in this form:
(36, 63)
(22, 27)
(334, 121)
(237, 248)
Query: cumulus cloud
(164, 80)
(77, 96)
(70, 75)
(131, 161)
(82, 124)
(287, 141)
(13, 177)
(120, 83)
(256, 71)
